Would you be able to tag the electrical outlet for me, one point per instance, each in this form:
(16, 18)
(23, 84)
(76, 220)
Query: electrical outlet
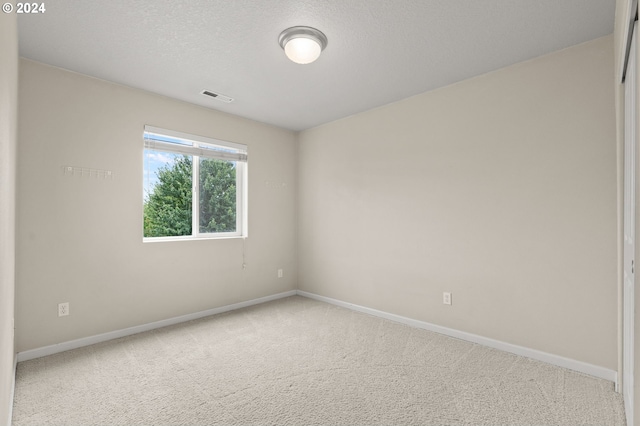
(446, 298)
(280, 274)
(63, 309)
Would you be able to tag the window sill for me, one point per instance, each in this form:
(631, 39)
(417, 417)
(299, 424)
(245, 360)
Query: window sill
(191, 238)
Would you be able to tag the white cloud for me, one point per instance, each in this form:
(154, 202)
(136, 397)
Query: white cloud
(162, 157)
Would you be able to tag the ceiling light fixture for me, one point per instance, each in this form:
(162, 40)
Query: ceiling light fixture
(302, 44)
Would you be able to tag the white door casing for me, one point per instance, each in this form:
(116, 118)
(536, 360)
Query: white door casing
(629, 232)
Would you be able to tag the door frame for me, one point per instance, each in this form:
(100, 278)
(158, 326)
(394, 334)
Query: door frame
(630, 187)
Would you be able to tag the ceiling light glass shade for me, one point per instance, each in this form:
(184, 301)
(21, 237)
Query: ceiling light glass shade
(302, 45)
(302, 50)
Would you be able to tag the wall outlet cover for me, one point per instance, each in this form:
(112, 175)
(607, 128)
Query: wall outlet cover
(446, 298)
(63, 309)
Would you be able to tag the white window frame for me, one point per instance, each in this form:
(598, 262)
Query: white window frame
(201, 147)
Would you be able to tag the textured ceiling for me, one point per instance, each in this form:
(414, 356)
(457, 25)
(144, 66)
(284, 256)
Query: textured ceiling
(379, 51)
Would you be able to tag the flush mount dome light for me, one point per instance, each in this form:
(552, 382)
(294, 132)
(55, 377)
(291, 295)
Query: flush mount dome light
(302, 44)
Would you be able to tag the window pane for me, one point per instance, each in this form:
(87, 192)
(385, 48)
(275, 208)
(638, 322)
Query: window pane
(217, 196)
(167, 194)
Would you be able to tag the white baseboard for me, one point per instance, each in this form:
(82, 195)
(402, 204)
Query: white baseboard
(571, 364)
(582, 367)
(86, 341)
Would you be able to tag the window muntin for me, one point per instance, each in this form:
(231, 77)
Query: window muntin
(194, 187)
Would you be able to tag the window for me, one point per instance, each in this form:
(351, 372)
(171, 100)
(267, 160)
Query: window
(193, 187)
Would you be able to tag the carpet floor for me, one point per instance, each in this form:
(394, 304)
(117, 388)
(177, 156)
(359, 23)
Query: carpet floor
(297, 361)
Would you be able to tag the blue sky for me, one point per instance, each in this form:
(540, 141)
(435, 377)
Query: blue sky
(153, 160)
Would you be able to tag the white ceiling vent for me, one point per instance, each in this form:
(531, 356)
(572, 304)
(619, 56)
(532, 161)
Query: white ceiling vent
(218, 96)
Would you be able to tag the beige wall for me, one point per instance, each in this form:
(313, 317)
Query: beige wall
(500, 189)
(8, 125)
(80, 239)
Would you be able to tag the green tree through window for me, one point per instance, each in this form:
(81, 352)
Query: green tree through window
(217, 196)
(168, 208)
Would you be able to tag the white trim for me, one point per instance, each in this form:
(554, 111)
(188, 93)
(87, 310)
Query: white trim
(629, 230)
(12, 393)
(86, 341)
(218, 236)
(582, 367)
